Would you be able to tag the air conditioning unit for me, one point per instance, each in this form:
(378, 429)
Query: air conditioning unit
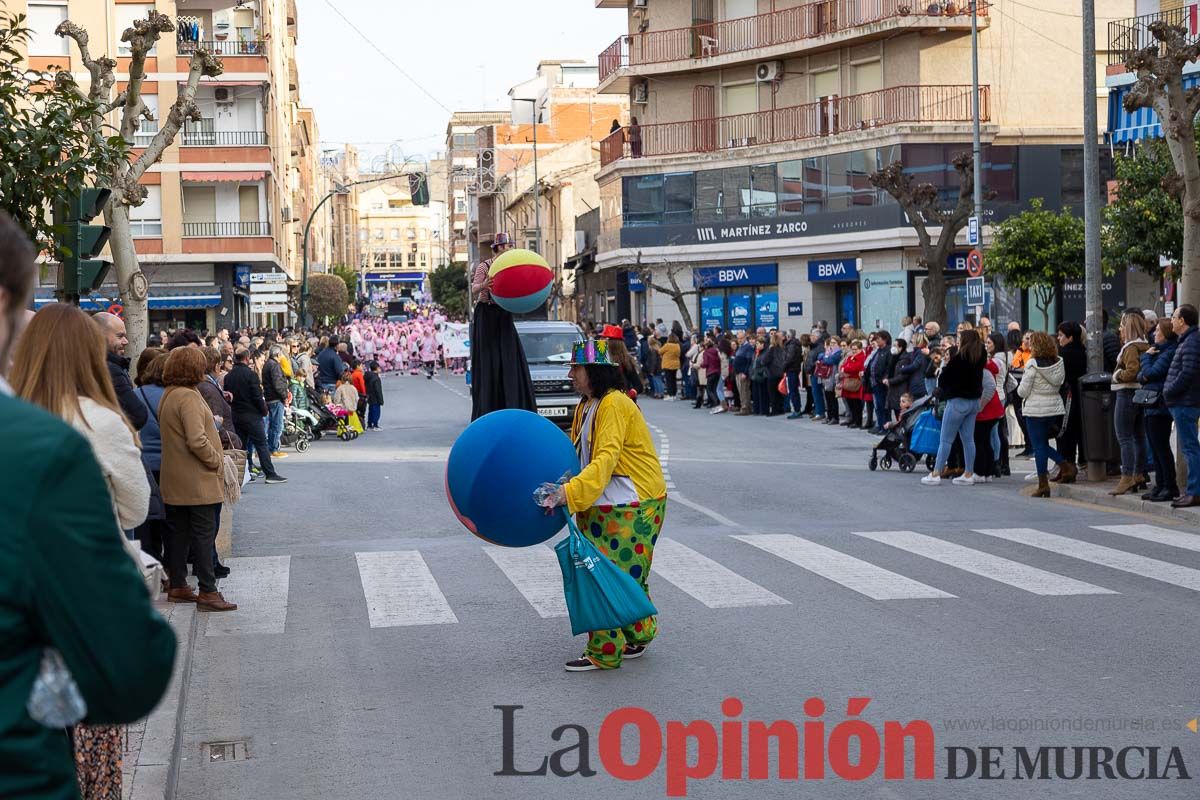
(641, 93)
(639, 3)
(768, 71)
(221, 94)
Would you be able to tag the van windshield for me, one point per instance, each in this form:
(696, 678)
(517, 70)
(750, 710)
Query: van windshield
(548, 347)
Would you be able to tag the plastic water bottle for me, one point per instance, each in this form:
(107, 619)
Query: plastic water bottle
(55, 700)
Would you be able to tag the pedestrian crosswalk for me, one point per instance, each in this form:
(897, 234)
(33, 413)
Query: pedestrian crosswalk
(399, 589)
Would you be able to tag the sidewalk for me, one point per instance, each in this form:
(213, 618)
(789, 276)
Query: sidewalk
(151, 746)
(1088, 492)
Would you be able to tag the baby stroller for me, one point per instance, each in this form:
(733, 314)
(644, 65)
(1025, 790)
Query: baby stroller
(895, 442)
(298, 426)
(336, 418)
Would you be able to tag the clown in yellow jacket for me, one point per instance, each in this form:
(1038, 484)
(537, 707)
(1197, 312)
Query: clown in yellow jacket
(619, 498)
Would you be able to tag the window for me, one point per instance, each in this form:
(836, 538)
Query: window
(463, 141)
(762, 190)
(412, 233)
(126, 14)
(837, 182)
(679, 190)
(412, 259)
(737, 9)
(146, 219)
(868, 80)
(422, 259)
(739, 99)
(868, 77)
(363, 234)
(42, 21)
(826, 83)
(791, 187)
(379, 235)
(248, 203)
(147, 128)
(199, 204)
(395, 234)
(643, 199)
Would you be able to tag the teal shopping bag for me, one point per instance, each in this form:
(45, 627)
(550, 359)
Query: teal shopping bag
(600, 595)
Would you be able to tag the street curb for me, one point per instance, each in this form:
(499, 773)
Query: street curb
(157, 773)
(1098, 495)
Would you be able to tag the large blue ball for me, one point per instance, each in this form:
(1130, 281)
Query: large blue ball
(494, 467)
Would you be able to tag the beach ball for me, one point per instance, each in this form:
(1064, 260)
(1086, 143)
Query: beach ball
(521, 281)
(494, 467)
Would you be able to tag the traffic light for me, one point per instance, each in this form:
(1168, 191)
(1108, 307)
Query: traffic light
(418, 188)
(79, 243)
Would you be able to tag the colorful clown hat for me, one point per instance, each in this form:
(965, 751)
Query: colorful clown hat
(593, 351)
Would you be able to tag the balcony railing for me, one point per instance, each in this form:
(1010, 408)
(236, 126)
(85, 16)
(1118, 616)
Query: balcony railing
(1126, 36)
(211, 138)
(211, 229)
(826, 117)
(251, 47)
(764, 30)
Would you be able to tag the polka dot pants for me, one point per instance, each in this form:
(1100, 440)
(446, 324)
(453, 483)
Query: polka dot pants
(627, 535)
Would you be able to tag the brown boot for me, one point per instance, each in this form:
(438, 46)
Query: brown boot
(1141, 482)
(1124, 486)
(183, 594)
(1043, 487)
(213, 601)
(1067, 471)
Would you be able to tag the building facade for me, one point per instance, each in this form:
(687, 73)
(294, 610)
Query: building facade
(755, 125)
(468, 174)
(400, 243)
(223, 200)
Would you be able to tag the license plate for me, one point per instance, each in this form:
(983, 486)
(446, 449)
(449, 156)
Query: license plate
(553, 411)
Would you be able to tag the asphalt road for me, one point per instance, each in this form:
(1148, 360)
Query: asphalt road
(376, 637)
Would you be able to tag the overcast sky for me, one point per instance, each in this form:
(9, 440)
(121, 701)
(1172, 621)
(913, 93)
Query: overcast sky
(466, 53)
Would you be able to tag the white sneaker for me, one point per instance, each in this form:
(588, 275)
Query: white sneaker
(932, 479)
(1031, 476)
(718, 410)
(965, 480)
(983, 478)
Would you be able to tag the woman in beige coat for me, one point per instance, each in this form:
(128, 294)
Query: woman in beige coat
(190, 479)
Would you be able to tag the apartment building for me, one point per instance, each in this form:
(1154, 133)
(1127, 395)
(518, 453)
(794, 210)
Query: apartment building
(562, 96)
(400, 243)
(756, 123)
(341, 169)
(224, 199)
(466, 175)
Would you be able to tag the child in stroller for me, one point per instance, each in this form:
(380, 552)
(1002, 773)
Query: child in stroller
(895, 441)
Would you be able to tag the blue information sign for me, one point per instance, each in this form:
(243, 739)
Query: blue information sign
(795, 309)
(635, 282)
(768, 310)
(712, 311)
(739, 312)
(747, 275)
(975, 291)
(833, 269)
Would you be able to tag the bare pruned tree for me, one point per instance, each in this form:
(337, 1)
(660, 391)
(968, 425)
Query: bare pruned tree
(925, 212)
(127, 192)
(671, 270)
(1159, 85)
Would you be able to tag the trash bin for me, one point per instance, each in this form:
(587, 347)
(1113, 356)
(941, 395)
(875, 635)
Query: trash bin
(1097, 402)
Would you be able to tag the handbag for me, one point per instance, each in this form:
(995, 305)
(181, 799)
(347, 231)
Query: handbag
(783, 387)
(599, 594)
(823, 370)
(1146, 397)
(851, 384)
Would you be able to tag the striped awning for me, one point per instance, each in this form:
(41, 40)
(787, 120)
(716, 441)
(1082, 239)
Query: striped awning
(1124, 126)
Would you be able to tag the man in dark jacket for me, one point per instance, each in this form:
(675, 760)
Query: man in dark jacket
(793, 363)
(881, 369)
(817, 394)
(1112, 346)
(277, 395)
(113, 328)
(1181, 391)
(743, 360)
(249, 408)
(329, 366)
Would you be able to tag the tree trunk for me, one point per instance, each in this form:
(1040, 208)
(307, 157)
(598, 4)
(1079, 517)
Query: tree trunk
(125, 262)
(684, 312)
(1189, 267)
(934, 288)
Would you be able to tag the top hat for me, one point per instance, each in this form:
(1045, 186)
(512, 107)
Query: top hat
(592, 351)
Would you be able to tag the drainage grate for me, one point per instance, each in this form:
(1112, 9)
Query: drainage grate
(220, 752)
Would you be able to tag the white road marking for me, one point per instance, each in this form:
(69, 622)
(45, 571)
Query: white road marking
(708, 512)
(1153, 533)
(1105, 556)
(853, 573)
(536, 574)
(1013, 573)
(710, 582)
(259, 586)
(400, 590)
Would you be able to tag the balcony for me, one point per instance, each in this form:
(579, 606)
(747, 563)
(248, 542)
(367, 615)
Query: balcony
(1126, 36)
(205, 136)
(808, 28)
(828, 116)
(226, 47)
(208, 230)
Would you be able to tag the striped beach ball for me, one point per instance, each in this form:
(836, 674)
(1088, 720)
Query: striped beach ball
(521, 281)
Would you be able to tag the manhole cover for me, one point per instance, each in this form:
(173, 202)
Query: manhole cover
(220, 752)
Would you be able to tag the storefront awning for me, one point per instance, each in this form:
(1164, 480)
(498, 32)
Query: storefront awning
(223, 177)
(99, 302)
(1143, 123)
